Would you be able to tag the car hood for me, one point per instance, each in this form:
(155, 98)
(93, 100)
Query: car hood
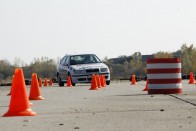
(89, 66)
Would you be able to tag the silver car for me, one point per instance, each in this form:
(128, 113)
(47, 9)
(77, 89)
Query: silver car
(80, 68)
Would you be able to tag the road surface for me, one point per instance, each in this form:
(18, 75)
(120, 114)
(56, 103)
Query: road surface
(117, 107)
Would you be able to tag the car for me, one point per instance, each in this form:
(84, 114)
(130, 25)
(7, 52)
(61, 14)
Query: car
(80, 68)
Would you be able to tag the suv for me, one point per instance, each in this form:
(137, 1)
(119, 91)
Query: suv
(80, 68)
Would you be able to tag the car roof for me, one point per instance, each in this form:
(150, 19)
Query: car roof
(77, 54)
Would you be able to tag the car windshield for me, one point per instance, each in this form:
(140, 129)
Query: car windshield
(84, 59)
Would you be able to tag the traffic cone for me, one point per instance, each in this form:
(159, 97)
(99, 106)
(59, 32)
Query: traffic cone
(19, 103)
(191, 79)
(11, 86)
(40, 82)
(35, 90)
(102, 79)
(50, 83)
(94, 83)
(45, 82)
(69, 81)
(146, 88)
(98, 81)
(133, 80)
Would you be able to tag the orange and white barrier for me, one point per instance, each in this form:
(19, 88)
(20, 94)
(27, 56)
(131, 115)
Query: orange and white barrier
(164, 76)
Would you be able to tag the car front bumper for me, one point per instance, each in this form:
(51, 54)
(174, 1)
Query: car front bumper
(87, 78)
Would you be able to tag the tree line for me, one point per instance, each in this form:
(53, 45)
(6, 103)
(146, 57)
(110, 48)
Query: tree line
(120, 68)
(124, 66)
(44, 67)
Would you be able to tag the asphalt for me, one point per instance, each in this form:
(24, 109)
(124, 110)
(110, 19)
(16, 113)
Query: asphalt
(117, 107)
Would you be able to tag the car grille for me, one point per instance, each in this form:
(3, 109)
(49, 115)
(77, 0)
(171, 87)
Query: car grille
(81, 79)
(92, 70)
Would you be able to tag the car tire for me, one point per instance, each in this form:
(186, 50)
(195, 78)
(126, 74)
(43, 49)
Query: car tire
(73, 84)
(60, 82)
(107, 82)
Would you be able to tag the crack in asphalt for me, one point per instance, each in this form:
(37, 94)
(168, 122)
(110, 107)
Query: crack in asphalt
(98, 112)
(183, 100)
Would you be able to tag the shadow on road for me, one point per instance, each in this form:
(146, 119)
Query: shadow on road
(133, 95)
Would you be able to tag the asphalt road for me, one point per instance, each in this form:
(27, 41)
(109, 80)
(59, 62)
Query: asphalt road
(118, 107)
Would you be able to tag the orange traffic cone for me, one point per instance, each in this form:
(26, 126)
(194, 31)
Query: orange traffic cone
(50, 83)
(98, 81)
(191, 79)
(102, 79)
(45, 82)
(19, 103)
(11, 86)
(146, 88)
(35, 90)
(69, 82)
(133, 80)
(94, 83)
(40, 82)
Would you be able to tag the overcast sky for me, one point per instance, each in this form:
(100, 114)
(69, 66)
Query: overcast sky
(35, 28)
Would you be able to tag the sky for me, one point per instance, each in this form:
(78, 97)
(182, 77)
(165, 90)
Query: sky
(34, 28)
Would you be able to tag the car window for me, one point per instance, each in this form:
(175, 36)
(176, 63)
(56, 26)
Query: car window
(63, 60)
(97, 59)
(84, 59)
(66, 61)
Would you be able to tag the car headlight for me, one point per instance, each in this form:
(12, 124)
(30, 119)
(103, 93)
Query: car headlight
(104, 69)
(79, 71)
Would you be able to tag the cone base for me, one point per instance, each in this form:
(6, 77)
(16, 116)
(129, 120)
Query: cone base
(104, 86)
(36, 98)
(69, 85)
(94, 89)
(145, 89)
(31, 104)
(27, 112)
(191, 83)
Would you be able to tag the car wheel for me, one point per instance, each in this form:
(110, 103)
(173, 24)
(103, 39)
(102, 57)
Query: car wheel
(73, 84)
(60, 82)
(107, 82)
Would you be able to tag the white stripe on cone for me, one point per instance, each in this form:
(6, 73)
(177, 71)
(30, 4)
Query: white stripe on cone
(164, 86)
(163, 66)
(164, 76)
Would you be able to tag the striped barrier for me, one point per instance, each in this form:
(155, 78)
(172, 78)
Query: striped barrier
(164, 76)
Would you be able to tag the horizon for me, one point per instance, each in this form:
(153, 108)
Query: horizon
(58, 58)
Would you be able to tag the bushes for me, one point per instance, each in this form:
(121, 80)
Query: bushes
(123, 66)
(120, 67)
(44, 67)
